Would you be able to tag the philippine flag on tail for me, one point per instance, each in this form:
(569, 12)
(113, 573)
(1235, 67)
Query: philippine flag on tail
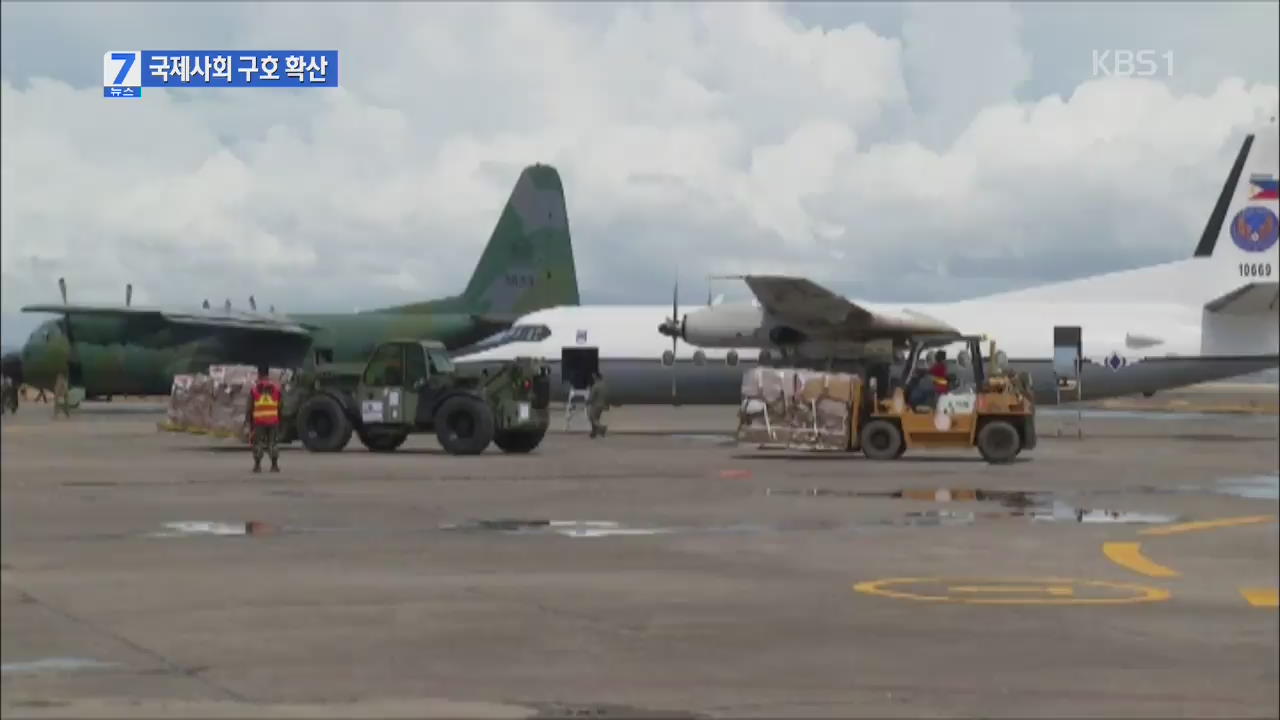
(1265, 187)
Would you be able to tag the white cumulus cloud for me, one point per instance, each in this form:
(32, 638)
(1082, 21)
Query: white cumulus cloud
(907, 156)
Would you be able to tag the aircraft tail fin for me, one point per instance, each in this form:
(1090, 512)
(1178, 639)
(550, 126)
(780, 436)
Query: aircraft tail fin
(1240, 248)
(528, 264)
(1243, 227)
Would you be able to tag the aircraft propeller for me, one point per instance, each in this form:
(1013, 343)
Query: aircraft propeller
(253, 305)
(206, 304)
(128, 295)
(73, 353)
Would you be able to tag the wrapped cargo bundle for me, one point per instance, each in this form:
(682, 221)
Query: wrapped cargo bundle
(200, 400)
(820, 410)
(762, 416)
(216, 403)
(178, 400)
(798, 409)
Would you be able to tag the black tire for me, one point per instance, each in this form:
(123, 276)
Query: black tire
(881, 440)
(518, 441)
(322, 425)
(383, 440)
(464, 425)
(999, 442)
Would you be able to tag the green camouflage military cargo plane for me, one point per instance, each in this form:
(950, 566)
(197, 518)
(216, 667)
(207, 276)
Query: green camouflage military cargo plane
(132, 350)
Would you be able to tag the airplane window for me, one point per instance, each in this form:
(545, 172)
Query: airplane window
(530, 333)
(516, 333)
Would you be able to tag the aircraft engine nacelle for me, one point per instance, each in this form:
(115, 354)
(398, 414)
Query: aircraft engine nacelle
(736, 325)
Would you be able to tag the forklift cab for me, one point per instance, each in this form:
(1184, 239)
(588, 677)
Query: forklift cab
(983, 406)
(968, 367)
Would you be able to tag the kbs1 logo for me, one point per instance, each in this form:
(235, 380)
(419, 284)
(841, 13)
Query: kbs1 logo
(1131, 63)
(126, 72)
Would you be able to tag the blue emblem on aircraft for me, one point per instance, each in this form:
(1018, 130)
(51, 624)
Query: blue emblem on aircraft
(1255, 229)
(1115, 361)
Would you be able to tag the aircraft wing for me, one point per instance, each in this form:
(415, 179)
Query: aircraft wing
(812, 308)
(202, 318)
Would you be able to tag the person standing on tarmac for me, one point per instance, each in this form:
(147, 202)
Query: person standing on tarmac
(10, 395)
(597, 403)
(61, 397)
(264, 420)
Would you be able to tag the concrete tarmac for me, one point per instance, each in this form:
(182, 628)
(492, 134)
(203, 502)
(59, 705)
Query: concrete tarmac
(662, 571)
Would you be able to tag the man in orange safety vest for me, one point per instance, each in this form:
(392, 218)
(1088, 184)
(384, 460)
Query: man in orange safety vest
(264, 420)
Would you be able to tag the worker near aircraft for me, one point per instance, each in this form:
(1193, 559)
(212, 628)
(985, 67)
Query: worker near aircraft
(10, 402)
(938, 372)
(931, 384)
(597, 403)
(264, 420)
(61, 397)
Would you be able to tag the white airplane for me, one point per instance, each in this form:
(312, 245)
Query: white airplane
(1208, 317)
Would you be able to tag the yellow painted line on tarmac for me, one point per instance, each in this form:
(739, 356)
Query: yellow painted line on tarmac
(1061, 590)
(1206, 525)
(1261, 597)
(1129, 555)
(1006, 591)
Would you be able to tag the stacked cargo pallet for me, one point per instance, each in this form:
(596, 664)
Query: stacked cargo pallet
(797, 409)
(215, 403)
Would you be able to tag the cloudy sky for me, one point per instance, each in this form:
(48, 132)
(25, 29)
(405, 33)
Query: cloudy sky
(890, 151)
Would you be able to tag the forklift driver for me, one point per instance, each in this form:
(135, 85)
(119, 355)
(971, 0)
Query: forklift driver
(929, 386)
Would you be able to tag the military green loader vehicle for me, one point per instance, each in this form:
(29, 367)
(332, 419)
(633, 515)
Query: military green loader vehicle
(411, 386)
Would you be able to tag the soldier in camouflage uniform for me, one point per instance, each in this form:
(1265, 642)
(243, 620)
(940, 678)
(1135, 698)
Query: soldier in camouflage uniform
(597, 403)
(263, 415)
(10, 399)
(61, 397)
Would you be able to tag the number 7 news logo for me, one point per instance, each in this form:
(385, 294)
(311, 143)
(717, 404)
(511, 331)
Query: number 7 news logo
(122, 73)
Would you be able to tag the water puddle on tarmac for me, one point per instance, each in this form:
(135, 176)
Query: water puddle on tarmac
(195, 528)
(583, 528)
(54, 665)
(1037, 506)
(1252, 487)
(566, 528)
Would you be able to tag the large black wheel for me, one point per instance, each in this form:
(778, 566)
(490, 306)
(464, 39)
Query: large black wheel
(382, 440)
(881, 440)
(518, 441)
(464, 425)
(322, 425)
(998, 441)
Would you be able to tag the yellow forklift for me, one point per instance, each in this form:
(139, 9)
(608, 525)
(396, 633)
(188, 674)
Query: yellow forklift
(995, 412)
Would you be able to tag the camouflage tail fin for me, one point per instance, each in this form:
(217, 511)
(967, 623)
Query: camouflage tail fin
(528, 263)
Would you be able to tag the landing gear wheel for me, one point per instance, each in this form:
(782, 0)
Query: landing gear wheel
(881, 440)
(382, 440)
(518, 441)
(464, 425)
(998, 442)
(322, 426)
